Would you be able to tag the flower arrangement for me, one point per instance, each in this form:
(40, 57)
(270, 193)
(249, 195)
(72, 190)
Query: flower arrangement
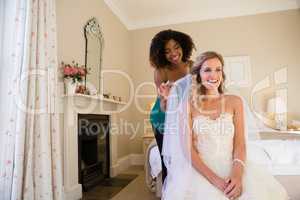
(74, 71)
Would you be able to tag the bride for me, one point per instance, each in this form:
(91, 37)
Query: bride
(205, 141)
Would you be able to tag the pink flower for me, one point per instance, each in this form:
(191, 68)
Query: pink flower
(67, 71)
(74, 71)
(81, 71)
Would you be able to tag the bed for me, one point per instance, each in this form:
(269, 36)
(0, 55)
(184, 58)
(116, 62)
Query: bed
(153, 168)
(280, 157)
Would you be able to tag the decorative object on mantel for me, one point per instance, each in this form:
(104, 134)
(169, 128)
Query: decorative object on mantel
(113, 97)
(106, 95)
(81, 89)
(73, 75)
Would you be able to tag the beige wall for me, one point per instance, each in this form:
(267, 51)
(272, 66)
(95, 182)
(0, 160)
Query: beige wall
(271, 40)
(72, 15)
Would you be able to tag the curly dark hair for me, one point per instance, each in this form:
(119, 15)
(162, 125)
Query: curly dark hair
(157, 47)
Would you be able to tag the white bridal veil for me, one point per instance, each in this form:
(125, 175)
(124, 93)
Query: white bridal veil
(176, 145)
(177, 138)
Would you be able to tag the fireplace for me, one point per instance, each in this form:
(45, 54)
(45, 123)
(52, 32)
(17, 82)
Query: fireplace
(93, 149)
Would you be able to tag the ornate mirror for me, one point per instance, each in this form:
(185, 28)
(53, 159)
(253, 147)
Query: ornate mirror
(94, 44)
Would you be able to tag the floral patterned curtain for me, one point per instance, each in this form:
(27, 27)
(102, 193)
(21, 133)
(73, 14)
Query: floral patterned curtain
(30, 154)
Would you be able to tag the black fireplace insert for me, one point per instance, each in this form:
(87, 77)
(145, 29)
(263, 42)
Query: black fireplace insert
(93, 149)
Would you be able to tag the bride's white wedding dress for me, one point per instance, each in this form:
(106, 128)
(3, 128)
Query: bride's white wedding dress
(215, 146)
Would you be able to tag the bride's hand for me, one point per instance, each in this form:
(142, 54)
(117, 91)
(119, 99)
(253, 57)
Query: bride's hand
(219, 183)
(234, 187)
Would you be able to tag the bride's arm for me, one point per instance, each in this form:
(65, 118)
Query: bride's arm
(239, 146)
(239, 149)
(198, 163)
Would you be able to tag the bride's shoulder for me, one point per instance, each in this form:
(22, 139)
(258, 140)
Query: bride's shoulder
(233, 100)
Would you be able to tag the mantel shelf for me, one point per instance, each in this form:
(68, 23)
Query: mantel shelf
(96, 97)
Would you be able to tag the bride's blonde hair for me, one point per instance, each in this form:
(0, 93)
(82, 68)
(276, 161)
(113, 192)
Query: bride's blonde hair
(198, 91)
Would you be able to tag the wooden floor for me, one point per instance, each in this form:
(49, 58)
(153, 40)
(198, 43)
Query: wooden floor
(137, 189)
(108, 188)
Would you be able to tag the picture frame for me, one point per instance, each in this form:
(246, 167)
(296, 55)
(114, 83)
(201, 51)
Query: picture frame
(238, 71)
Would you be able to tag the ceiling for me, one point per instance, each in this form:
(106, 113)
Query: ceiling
(137, 14)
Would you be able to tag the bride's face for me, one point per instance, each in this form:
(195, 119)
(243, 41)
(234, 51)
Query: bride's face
(211, 74)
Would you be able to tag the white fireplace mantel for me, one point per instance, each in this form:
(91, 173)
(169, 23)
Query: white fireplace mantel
(83, 104)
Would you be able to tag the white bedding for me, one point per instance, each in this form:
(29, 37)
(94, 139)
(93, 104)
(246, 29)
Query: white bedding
(280, 157)
(155, 162)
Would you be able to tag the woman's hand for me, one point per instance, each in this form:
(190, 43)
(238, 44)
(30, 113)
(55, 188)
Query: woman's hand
(164, 90)
(219, 183)
(234, 186)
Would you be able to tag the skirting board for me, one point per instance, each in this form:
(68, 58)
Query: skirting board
(125, 162)
(74, 193)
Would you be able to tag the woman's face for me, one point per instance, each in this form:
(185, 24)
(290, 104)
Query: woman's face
(173, 52)
(211, 74)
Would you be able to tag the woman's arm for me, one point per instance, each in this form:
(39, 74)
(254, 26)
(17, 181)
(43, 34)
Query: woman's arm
(160, 77)
(198, 163)
(239, 146)
(234, 188)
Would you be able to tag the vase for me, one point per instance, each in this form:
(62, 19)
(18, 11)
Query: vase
(70, 86)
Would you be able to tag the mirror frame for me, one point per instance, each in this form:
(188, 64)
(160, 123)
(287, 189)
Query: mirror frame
(93, 29)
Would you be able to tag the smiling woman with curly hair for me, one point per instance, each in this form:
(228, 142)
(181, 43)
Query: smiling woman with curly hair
(158, 53)
(170, 53)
